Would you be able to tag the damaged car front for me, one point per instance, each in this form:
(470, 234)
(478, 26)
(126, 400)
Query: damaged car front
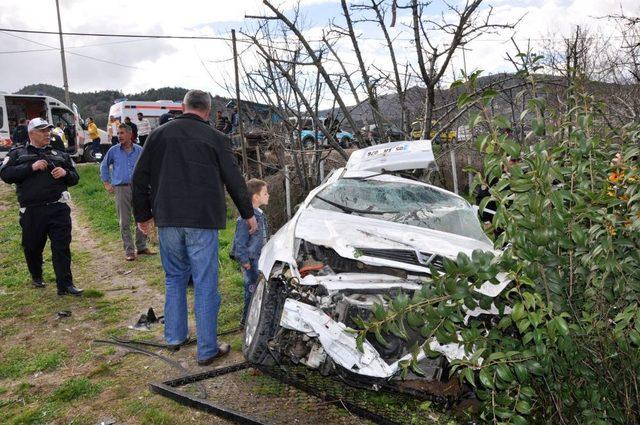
(366, 235)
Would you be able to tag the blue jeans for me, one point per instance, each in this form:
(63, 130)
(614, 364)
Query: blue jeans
(184, 252)
(250, 280)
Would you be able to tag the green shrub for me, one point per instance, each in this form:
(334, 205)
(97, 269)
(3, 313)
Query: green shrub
(569, 350)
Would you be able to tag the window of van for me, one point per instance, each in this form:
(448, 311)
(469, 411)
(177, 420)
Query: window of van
(1, 117)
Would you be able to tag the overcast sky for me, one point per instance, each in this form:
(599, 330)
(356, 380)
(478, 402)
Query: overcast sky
(133, 65)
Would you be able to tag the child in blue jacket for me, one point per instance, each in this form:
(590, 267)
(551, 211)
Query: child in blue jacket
(246, 248)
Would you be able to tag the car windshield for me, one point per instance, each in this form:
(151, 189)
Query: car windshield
(402, 202)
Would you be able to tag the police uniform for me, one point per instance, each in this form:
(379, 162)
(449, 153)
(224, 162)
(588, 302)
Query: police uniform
(43, 209)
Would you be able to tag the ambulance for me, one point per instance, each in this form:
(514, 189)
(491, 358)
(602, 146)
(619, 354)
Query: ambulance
(152, 111)
(14, 107)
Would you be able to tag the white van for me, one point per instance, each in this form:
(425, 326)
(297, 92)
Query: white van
(151, 110)
(14, 107)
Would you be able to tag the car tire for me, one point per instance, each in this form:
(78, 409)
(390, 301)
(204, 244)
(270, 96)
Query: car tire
(309, 143)
(88, 155)
(263, 320)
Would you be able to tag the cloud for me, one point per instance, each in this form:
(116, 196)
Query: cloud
(138, 64)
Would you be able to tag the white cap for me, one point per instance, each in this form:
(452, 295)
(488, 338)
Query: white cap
(38, 123)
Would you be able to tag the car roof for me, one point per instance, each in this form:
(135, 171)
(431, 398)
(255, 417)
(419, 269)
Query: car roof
(393, 156)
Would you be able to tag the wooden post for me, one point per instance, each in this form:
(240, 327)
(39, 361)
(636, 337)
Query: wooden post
(245, 163)
(454, 170)
(259, 160)
(287, 191)
(65, 82)
(469, 174)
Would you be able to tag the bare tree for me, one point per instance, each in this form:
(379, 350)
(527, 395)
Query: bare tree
(460, 26)
(325, 75)
(398, 83)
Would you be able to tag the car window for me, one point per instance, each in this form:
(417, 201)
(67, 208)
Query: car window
(1, 117)
(402, 202)
(62, 115)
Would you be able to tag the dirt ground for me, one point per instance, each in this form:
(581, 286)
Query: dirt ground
(117, 292)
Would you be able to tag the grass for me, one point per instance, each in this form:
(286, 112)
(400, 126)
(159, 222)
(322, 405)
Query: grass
(20, 361)
(150, 414)
(74, 389)
(98, 205)
(263, 384)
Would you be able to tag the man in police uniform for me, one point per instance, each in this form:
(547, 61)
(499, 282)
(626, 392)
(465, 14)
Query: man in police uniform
(42, 175)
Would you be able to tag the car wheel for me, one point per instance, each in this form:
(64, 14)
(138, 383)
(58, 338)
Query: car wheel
(262, 321)
(308, 143)
(345, 142)
(89, 154)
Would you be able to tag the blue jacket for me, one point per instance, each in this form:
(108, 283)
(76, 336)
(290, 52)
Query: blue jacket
(248, 247)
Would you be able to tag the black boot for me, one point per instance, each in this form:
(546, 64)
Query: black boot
(38, 283)
(70, 290)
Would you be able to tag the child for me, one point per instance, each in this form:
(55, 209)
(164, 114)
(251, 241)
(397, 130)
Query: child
(246, 248)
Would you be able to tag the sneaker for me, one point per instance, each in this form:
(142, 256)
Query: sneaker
(176, 347)
(130, 257)
(146, 251)
(38, 283)
(223, 349)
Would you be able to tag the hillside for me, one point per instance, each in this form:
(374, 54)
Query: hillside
(97, 104)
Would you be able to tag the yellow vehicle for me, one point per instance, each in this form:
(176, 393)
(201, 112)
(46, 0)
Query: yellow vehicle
(445, 136)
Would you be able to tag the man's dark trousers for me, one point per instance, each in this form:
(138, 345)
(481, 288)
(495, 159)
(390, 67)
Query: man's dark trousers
(54, 221)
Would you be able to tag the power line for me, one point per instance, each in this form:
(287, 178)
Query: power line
(94, 34)
(82, 46)
(73, 53)
(246, 40)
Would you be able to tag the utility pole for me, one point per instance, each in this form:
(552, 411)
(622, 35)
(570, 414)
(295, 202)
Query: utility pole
(245, 163)
(64, 62)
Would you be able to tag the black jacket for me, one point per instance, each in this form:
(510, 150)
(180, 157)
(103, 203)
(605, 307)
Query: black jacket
(35, 188)
(181, 175)
(134, 130)
(20, 136)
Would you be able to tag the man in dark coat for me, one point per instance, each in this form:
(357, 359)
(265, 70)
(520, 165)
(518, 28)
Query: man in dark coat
(20, 136)
(179, 181)
(42, 175)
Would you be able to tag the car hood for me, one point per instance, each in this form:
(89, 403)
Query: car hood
(344, 233)
(348, 234)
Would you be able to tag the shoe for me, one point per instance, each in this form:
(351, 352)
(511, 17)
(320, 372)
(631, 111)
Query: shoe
(38, 283)
(223, 349)
(146, 251)
(130, 257)
(70, 290)
(176, 347)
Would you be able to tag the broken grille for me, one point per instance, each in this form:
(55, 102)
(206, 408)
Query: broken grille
(404, 256)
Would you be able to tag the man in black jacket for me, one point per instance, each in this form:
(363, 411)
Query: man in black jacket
(42, 175)
(20, 136)
(179, 181)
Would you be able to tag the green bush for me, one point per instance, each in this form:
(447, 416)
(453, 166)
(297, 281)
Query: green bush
(568, 350)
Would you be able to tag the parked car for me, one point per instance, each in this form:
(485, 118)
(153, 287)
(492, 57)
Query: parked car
(308, 133)
(308, 137)
(364, 235)
(390, 133)
(445, 136)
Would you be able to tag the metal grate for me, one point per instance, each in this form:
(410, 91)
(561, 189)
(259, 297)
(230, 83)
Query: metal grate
(403, 256)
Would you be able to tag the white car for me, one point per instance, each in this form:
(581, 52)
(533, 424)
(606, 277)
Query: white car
(364, 235)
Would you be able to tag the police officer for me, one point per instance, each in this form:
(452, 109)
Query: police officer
(42, 175)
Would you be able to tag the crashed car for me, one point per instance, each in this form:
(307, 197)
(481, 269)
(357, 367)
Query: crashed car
(369, 232)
